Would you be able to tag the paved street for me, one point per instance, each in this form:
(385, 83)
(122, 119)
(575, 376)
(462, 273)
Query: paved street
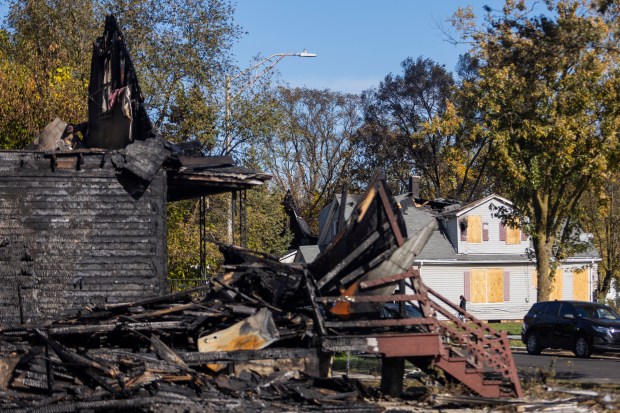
(598, 369)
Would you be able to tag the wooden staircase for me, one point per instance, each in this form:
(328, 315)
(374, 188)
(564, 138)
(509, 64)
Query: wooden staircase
(466, 351)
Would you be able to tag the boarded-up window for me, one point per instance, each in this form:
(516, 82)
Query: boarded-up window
(495, 281)
(513, 236)
(487, 285)
(580, 285)
(478, 285)
(474, 228)
(556, 286)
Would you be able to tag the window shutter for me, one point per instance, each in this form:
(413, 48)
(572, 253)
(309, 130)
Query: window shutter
(502, 232)
(485, 231)
(506, 286)
(523, 236)
(466, 285)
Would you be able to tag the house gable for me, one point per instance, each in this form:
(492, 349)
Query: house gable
(476, 229)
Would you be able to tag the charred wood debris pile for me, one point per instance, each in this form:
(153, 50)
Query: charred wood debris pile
(181, 352)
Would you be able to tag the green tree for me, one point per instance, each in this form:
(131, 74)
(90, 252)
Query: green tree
(547, 96)
(45, 50)
(267, 221)
(601, 217)
(411, 126)
(184, 239)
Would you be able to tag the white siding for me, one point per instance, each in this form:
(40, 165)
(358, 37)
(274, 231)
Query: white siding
(449, 281)
(493, 245)
(567, 288)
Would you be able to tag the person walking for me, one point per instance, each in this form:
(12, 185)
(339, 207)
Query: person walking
(462, 306)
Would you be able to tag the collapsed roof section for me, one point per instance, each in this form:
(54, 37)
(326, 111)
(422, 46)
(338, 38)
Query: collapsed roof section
(187, 176)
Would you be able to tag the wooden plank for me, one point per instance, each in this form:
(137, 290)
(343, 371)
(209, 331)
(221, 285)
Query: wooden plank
(104, 328)
(390, 279)
(557, 285)
(390, 322)
(495, 283)
(474, 228)
(478, 285)
(364, 204)
(371, 298)
(400, 237)
(513, 235)
(197, 358)
(581, 290)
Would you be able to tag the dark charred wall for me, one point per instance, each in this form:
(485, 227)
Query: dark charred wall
(75, 233)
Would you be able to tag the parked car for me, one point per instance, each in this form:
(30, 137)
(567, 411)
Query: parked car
(392, 310)
(581, 326)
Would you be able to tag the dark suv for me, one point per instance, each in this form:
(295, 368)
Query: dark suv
(581, 326)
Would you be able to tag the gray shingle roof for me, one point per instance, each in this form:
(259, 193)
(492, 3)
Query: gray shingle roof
(307, 253)
(438, 246)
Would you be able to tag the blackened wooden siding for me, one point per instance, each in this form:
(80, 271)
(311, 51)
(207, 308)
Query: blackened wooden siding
(73, 238)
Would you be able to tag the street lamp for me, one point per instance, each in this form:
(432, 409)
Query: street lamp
(270, 62)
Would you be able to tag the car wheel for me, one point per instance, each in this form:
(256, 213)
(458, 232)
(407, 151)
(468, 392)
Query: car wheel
(532, 344)
(582, 347)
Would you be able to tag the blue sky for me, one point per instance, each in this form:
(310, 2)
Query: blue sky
(358, 42)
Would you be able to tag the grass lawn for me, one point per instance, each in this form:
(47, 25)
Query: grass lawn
(512, 328)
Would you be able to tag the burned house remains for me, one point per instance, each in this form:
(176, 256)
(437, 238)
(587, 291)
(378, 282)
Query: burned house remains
(84, 324)
(83, 221)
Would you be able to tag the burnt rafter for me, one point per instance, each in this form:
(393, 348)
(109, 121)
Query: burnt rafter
(373, 228)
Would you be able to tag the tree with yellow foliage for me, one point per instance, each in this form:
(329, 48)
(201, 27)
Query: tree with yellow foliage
(547, 96)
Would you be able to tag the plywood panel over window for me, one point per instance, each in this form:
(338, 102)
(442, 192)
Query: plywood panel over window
(556, 285)
(513, 236)
(495, 282)
(478, 285)
(580, 284)
(487, 285)
(474, 228)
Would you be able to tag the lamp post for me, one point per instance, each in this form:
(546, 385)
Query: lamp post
(269, 63)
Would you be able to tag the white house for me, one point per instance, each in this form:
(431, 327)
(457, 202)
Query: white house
(472, 253)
